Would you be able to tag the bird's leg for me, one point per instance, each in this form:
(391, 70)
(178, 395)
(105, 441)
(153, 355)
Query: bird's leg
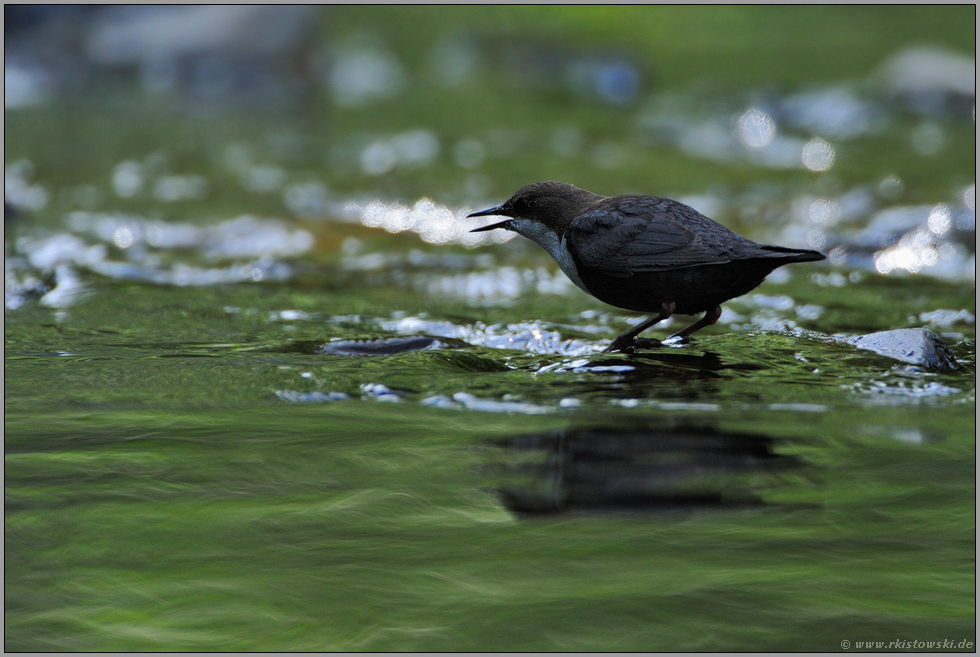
(709, 318)
(627, 342)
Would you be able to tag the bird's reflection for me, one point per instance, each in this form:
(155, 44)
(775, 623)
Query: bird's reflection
(655, 374)
(653, 363)
(602, 469)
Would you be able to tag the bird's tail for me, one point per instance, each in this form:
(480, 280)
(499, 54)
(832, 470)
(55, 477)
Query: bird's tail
(795, 255)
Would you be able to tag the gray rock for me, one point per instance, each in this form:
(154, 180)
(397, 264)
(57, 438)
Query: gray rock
(388, 347)
(918, 346)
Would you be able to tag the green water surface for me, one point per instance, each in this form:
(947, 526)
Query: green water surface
(160, 495)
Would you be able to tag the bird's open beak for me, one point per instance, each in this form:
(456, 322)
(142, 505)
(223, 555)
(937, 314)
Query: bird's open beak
(488, 212)
(500, 224)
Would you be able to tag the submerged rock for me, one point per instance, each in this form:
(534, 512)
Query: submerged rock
(918, 346)
(387, 347)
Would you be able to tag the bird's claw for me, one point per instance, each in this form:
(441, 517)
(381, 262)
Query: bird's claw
(630, 346)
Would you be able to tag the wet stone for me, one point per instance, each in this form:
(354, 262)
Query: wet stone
(314, 397)
(389, 347)
(918, 346)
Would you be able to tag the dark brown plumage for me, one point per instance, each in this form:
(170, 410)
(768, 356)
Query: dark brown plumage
(642, 253)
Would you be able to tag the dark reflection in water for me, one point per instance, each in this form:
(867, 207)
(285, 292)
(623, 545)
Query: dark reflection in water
(674, 376)
(657, 365)
(707, 363)
(639, 469)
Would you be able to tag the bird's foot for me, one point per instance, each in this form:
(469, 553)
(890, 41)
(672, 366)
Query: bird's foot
(622, 344)
(631, 345)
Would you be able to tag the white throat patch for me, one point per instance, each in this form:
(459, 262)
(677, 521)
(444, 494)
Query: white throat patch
(548, 240)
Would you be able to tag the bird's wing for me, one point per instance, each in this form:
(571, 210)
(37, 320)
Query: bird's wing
(621, 245)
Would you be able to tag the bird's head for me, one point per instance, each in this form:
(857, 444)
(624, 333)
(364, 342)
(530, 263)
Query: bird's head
(542, 206)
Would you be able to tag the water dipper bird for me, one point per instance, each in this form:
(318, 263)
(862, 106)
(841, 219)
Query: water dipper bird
(641, 253)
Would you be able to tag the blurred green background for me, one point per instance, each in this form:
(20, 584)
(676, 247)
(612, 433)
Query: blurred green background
(204, 207)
